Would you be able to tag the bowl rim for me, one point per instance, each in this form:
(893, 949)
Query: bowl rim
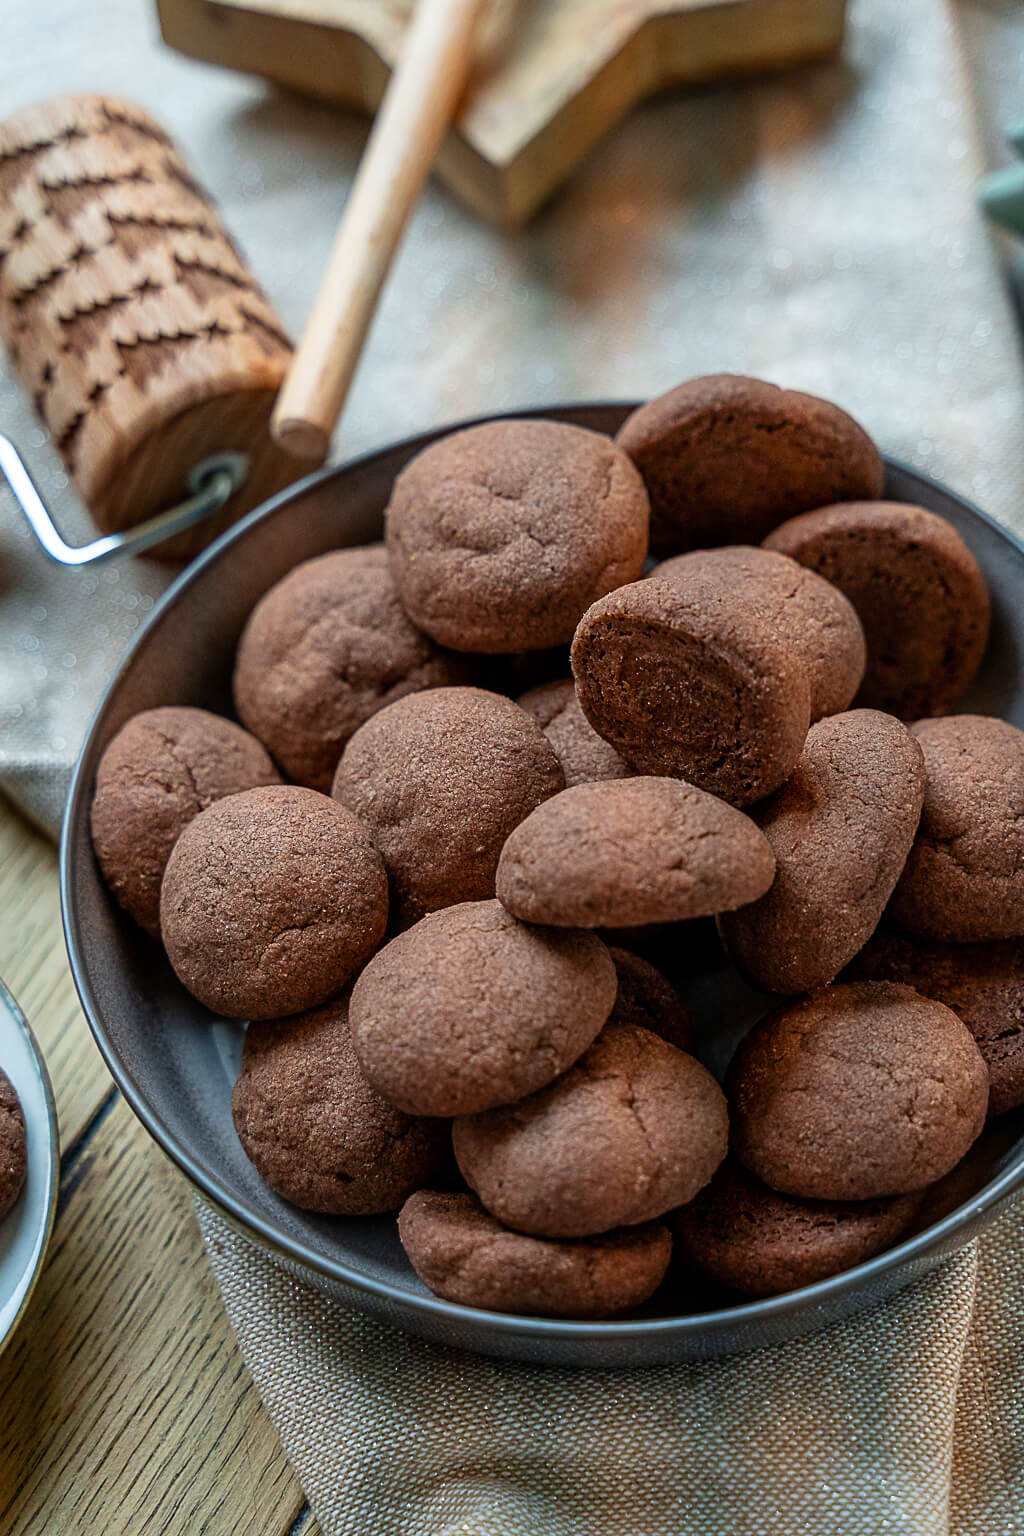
(259, 1229)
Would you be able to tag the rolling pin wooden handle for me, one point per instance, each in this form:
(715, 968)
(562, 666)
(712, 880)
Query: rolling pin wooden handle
(417, 108)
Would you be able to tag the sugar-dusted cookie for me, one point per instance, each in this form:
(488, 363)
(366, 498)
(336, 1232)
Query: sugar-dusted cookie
(501, 535)
(982, 983)
(917, 589)
(323, 650)
(863, 1090)
(726, 458)
(272, 901)
(819, 623)
(584, 755)
(13, 1146)
(964, 879)
(314, 1128)
(469, 1009)
(840, 829)
(684, 680)
(161, 769)
(635, 1128)
(743, 1235)
(441, 778)
(629, 852)
(463, 1254)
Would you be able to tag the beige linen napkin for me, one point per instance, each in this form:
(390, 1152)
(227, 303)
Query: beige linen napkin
(817, 229)
(906, 1420)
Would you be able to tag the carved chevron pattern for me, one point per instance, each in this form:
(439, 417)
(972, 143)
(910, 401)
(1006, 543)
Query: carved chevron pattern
(121, 294)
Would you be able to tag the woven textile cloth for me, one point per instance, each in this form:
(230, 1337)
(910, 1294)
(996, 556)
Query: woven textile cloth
(819, 230)
(906, 1420)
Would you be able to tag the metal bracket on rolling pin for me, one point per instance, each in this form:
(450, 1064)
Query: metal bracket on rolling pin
(210, 484)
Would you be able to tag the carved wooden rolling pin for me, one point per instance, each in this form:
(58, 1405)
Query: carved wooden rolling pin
(143, 339)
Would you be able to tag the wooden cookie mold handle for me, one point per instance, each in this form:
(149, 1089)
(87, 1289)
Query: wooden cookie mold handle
(145, 342)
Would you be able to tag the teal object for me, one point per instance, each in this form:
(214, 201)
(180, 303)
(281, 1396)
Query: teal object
(1001, 193)
(1015, 135)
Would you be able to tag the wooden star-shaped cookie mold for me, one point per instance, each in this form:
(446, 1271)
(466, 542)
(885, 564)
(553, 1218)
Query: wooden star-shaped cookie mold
(552, 75)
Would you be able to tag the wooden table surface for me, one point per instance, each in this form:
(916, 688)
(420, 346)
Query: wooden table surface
(125, 1408)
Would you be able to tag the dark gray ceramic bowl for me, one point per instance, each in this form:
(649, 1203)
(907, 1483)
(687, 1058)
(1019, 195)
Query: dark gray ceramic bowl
(176, 1064)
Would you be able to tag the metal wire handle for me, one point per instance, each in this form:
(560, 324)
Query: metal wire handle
(210, 484)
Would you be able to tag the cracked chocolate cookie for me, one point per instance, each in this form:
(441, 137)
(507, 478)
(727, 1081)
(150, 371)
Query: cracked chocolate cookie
(461, 1253)
(631, 852)
(500, 536)
(982, 983)
(13, 1147)
(469, 1009)
(840, 829)
(685, 681)
(743, 1235)
(917, 589)
(323, 651)
(814, 617)
(648, 999)
(866, 1089)
(633, 1129)
(726, 458)
(161, 769)
(272, 900)
(441, 778)
(585, 756)
(964, 880)
(316, 1131)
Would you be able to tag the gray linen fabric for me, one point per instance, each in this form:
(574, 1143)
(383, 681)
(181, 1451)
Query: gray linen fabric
(819, 230)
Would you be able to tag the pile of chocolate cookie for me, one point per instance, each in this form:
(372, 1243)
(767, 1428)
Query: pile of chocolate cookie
(13, 1147)
(519, 756)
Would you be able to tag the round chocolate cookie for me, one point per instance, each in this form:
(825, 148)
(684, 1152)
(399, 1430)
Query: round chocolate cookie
(743, 1235)
(818, 622)
(161, 769)
(726, 458)
(648, 1000)
(964, 880)
(584, 755)
(919, 593)
(441, 778)
(323, 651)
(464, 1255)
(632, 1130)
(314, 1128)
(840, 828)
(502, 535)
(982, 983)
(683, 680)
(469, 1009)
(864, 1090)
(631, 852)
(13, 1146)
(272, 901)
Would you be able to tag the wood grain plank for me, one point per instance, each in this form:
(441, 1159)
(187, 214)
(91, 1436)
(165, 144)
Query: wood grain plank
(34, 966)
(125, 1407)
